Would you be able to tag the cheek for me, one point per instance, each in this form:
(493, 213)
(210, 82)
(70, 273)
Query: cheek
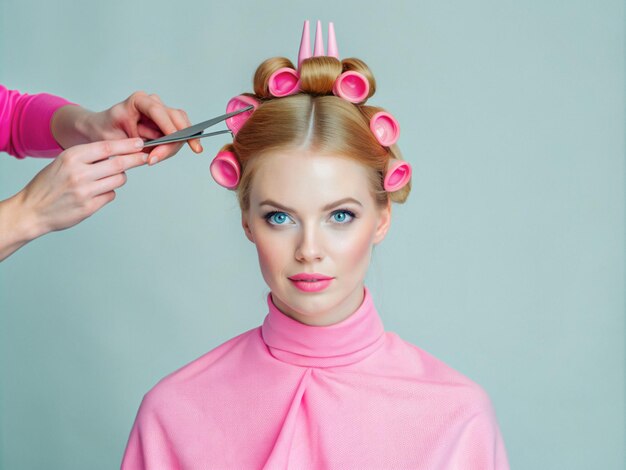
(352, 250)
(270, 253)
(267, 259)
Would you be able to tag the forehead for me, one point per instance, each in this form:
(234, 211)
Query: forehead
(305, 179)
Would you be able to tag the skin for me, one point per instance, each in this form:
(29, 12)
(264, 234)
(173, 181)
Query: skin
(100, 148)
(304, 236)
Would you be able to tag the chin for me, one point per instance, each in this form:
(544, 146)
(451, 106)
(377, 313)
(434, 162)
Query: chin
(313, 305)
(308, 304)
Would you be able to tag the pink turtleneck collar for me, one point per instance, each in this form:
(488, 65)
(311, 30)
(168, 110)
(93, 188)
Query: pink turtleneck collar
(340, 344)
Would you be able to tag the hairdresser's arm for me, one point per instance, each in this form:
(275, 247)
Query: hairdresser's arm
(25, 123)
(140, 115)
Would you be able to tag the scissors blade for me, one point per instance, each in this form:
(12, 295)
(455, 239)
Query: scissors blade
(193, 132)
(162, 140)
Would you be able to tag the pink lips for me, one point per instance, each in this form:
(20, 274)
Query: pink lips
(311, 282)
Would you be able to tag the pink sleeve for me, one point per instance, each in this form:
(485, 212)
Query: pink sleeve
(25, 123)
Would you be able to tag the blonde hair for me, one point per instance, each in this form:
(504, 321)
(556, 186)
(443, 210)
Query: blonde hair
(313, 119)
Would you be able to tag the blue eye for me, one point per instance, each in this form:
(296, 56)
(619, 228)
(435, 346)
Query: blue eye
(343, 216)
(277, 218)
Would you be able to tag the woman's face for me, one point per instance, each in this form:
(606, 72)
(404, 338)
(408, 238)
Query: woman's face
(312, 213)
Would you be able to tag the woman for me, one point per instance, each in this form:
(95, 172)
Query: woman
(319, 384)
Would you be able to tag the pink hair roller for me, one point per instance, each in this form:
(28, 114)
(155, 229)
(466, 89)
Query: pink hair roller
(385, 127)
(225, 170)
(284, 82)
(238, 102)
(352, 86)
(398, 175)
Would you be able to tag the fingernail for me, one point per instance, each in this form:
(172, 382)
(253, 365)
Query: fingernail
(139, 143)
(153, 160)
(145, 157)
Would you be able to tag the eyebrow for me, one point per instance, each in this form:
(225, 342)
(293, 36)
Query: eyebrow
(269, 202)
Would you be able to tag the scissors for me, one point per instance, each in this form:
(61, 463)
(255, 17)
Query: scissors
(196, 131)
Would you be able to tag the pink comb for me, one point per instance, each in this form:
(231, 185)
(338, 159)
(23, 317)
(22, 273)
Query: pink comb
(319, 43)
(332, 42)
(305, 44)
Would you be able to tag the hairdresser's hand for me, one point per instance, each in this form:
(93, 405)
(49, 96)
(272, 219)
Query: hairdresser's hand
(140, 115)
(76, 184)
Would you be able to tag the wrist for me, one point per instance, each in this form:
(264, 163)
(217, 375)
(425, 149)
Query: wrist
(18, 225)
(26, 221)
(70, 125)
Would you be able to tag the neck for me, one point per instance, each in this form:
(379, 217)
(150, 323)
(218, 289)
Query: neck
(343, 343)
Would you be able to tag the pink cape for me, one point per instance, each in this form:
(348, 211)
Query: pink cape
(286, 395)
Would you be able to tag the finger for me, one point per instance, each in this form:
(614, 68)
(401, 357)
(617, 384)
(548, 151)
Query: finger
(148, 132)
(149, 127)
(181, 120)
(131, 128)
(194, 144)
(161, 152)
(95, 151)
(130, 115)
(107, 184)
(156, 98)
(155, 111)
(101, 200)
(115, 165)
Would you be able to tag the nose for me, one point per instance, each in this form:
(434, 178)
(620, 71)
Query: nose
(309, 247)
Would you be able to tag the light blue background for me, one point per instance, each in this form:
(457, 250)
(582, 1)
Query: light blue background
(507, 262)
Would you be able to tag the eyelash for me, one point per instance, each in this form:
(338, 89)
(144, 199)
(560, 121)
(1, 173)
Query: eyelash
(352, 215)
